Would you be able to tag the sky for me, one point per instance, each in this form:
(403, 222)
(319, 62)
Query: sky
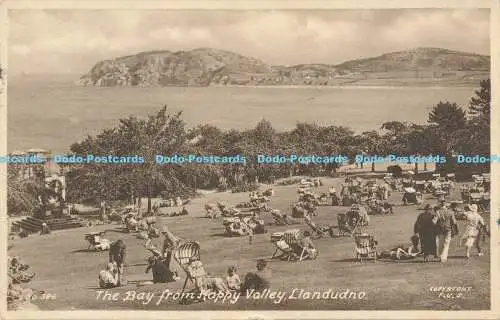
(72, 41)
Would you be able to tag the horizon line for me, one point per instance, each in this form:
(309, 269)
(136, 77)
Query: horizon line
(5, 68)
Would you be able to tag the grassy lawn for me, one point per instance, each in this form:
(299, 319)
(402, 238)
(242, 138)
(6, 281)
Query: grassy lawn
(63, 267)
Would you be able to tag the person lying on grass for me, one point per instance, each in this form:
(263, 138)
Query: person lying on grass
(403, 252)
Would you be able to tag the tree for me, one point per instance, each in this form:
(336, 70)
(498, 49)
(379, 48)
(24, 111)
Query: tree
(480, 105)
(374, 145)
(23, 194)
(264, 134)
(448, 116)
(394, 127)
(160, 133)
(480, 122)
(419, 142)
(446, 119)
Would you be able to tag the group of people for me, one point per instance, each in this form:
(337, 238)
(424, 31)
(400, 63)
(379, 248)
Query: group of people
(113, 275)
(437, 225)
(258, 280)
(18, 296)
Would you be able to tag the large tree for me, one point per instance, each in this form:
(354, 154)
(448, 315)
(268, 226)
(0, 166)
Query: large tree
(24, 194)
(161, 133)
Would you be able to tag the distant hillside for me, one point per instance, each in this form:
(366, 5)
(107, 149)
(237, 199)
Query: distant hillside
(205, 67)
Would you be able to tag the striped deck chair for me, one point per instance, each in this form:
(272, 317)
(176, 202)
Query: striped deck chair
(292, 239)
(365, 247)
(183, 255)
(281, 246)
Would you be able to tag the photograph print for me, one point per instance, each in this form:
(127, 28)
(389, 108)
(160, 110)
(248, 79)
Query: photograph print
(232, 160)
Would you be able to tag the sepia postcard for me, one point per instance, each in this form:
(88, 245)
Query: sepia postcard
(249, 159)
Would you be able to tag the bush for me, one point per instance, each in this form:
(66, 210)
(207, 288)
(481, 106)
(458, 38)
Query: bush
(245, 188)
(289, 181)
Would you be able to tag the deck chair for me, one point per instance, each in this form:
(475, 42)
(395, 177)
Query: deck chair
(183, 255)
(281, 246)
(292, 237)
(365, 247)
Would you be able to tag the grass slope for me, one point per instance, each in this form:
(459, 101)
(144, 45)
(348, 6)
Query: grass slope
(65, 270)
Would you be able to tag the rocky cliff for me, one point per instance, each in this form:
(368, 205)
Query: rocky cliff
(205, 67)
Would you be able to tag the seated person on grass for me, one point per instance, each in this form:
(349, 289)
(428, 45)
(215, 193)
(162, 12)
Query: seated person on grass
(203, 282)
(108, 278)
(161, 272)
(233, 280)
(307, 243)
(258, 280)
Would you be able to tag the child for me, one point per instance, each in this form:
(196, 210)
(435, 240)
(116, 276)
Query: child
(402, 253)
(233, 280)
(108, 278)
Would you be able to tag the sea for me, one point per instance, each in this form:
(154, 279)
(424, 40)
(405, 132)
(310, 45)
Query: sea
(52, 112)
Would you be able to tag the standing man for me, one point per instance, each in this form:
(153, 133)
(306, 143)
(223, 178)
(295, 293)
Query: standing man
(446, 227)
(170, 243)
(117, 254)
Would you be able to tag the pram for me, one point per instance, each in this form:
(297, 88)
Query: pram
(97, 243)
(289, 244)
(365, 247)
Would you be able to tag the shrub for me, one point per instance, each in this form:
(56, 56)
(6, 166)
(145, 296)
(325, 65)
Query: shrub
(245, 188)
(289, 181)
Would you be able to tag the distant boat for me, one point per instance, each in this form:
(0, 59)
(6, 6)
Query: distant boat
(37, 150)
